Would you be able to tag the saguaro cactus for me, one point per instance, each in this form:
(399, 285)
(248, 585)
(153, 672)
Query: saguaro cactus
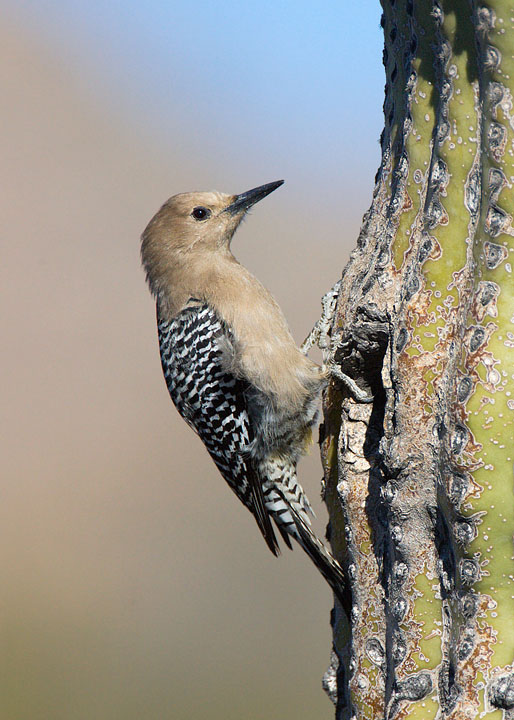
(419, 483)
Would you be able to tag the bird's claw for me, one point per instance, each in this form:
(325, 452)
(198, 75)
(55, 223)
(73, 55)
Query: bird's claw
(349, 383)
(320, 333)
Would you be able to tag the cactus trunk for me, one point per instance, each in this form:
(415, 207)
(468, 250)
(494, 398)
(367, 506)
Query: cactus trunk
(419, 483)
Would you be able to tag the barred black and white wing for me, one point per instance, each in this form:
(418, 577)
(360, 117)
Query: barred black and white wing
(193, 347)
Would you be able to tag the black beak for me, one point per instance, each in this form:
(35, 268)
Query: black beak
(241, 203)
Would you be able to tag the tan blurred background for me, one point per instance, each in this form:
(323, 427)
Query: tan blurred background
(134, 585)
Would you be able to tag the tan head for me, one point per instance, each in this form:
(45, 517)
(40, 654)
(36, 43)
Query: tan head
(193, 225)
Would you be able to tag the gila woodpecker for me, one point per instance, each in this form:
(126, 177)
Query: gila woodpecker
(231, 365)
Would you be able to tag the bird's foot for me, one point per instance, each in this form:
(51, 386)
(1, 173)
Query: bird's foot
(358, 394)
(320, 333)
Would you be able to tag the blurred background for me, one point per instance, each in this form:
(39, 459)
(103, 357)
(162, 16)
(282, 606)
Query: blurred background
(134, 584)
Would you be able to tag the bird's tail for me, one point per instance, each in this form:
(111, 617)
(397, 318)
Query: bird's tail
(322, 558)
(289, 507)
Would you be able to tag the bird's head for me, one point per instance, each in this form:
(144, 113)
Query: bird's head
(208, 218)
(194, 224)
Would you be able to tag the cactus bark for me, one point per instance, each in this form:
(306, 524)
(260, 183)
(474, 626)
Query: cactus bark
(419, 483)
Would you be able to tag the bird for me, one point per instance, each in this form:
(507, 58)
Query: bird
(231, 366)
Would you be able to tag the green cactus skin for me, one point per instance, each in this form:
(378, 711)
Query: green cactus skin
(421, 486)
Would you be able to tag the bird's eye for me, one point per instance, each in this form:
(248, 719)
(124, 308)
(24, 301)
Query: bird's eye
(200, 213)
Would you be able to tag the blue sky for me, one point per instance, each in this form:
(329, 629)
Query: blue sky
(288, 78)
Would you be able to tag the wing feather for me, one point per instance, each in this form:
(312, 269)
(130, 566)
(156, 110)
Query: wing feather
(193, 349)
